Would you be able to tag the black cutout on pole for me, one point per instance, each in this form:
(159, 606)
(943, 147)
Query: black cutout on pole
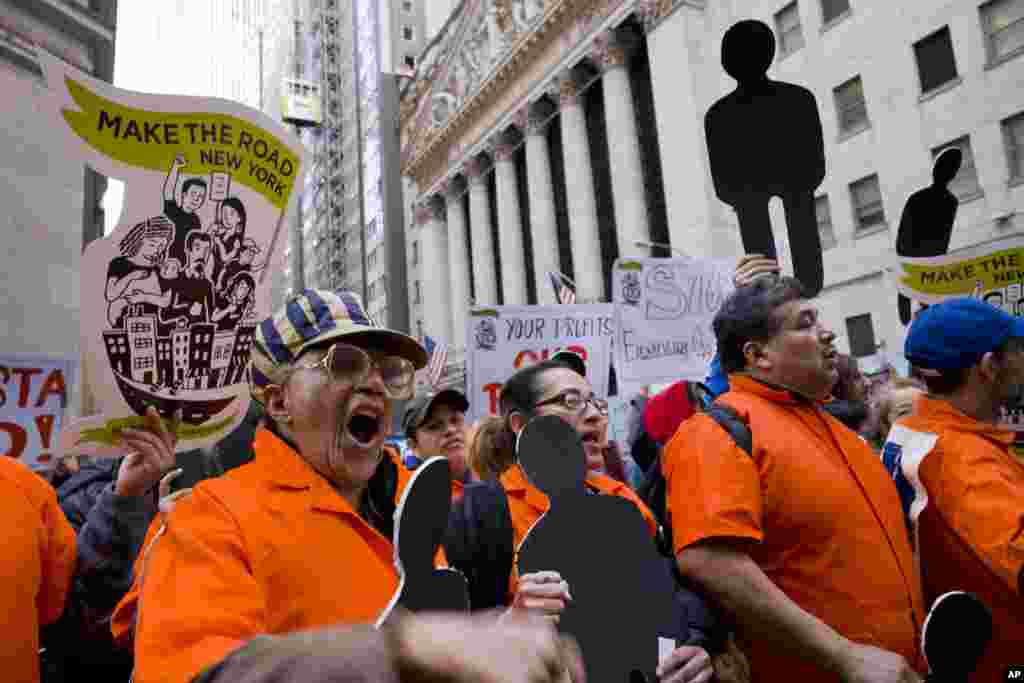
(765, 140)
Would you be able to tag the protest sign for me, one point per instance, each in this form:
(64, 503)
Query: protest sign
(33, 397)
(664, 308)
(171, 297)
(503, 339)
(992, 271)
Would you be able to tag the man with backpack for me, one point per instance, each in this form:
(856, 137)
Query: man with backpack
(784, 516)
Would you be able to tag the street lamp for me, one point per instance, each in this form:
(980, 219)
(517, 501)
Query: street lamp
(662, 245)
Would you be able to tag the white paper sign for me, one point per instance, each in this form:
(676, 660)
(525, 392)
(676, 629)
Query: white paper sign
(170, 299)
(503, 339)
(664, 308)
(33, 397)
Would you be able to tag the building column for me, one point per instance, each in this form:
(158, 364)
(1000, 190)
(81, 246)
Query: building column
(510, 223)
(543, 225)
(435, 292)
(579, 191)
(485, 285)
(458, 263)
(631, 220)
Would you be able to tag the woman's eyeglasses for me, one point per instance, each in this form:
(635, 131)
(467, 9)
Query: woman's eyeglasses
(574, 401)
(348, 363)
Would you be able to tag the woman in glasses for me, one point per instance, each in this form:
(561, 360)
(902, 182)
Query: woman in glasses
(300, 537)
(494, 516)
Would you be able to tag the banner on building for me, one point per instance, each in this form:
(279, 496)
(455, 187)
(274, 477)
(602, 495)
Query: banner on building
(33, 399)
(171, 297)
(503, 339)
(992, 271)
(664, 308)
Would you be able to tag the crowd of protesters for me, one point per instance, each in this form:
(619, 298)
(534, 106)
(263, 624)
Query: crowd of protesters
(806, 541)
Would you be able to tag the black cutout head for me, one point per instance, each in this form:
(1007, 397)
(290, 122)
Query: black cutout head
(947, 165)
(955, 635)
(748, 49)
(552, 455)
(423, 513)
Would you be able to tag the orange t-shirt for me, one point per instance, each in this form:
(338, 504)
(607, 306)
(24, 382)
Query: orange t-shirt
(36, 566)
(824, 513)
(968, 512)
(268, 548)
(526, 503)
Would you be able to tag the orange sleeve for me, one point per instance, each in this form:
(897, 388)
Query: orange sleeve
(981, 500)
(58, 559)
(198, 600)
(713, 486)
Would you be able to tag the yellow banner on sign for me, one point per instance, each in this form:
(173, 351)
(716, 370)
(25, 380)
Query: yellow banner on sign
(209, 142)
(971, 272)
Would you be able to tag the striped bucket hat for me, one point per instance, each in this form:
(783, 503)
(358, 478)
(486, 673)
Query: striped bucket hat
(312, 318)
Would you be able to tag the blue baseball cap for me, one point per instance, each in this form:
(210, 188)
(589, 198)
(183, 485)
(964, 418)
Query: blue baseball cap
(957, 333)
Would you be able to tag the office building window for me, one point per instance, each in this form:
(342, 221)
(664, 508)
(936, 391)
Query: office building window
(833, 9)
(407, 33)
(407, 6)
(1003, 23)
(965, 184)
(418, 295)
(936, 64)
(787, 27)
(1013, 137)
(415, 253)
(866, 197)
(824, 214)
(851, 108)
(861, 333)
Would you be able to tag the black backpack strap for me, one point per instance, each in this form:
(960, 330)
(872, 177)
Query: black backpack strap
(733, 424)
(480, 542)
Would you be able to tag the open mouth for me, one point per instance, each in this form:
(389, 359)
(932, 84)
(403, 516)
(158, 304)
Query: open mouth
(364, 428)
(589, 439)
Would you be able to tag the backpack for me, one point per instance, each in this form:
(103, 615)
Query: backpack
(654, 489)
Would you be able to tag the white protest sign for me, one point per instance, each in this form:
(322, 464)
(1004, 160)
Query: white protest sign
(664, 308)
(170, 299)
(503, 339)
(33, 397)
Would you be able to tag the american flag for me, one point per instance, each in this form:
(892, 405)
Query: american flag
(438, 354)
(564, 294)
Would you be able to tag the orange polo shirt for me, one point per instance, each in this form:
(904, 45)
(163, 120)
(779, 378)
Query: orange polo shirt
(268, 548)
(968, 513)
(36, 566)
(526, 503)
(822, 509)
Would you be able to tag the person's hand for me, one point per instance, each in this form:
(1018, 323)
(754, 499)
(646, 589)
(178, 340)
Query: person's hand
(151, 456)
(866, 664)
(520, 648)
(196, 309)
(544, 593)
(686, 664)
(752, 267)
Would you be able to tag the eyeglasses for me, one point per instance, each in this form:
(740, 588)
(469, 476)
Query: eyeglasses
(574, 401)
(348, 363)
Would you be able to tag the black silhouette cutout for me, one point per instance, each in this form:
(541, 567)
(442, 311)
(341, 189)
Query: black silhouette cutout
(621, 588)
(927, 221)
(955, 635)
(764, 140)
(420, 521)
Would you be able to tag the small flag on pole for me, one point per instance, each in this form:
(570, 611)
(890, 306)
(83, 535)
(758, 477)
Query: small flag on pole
(564, 294)
(438, 354)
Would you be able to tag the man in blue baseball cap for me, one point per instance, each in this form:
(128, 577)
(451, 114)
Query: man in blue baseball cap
(961, 486)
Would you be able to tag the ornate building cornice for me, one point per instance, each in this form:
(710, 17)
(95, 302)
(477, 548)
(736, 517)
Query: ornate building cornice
(492, 48)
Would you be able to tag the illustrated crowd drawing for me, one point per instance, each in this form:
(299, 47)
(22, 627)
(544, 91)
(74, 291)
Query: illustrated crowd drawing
(180, 296)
